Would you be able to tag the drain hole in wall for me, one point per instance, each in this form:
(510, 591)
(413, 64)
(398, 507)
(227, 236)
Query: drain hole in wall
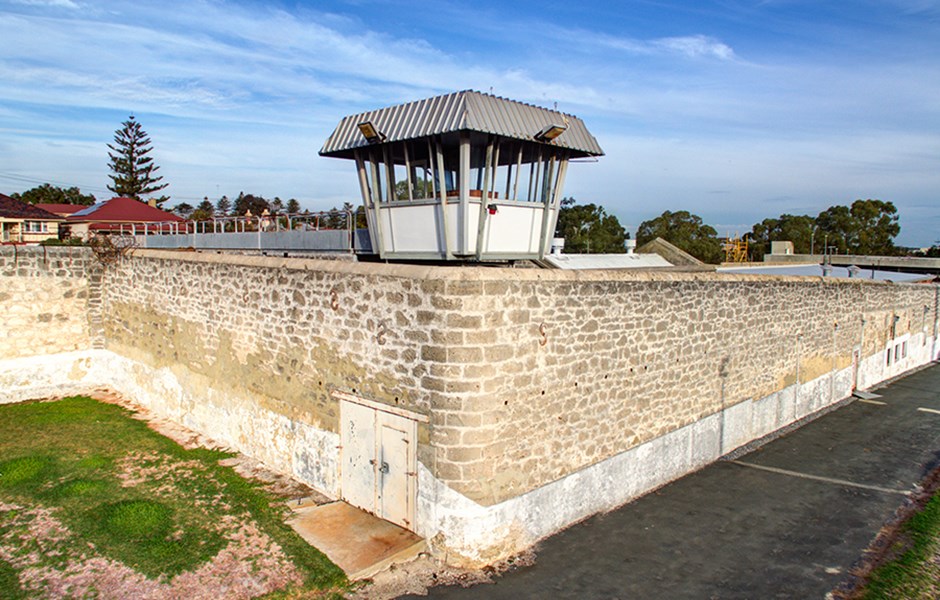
(505, 402)
(396, 399)
(543, 392)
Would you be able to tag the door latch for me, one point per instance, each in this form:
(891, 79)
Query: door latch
(384, 468)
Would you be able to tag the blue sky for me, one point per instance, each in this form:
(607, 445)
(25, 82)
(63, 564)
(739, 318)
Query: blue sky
(735, 110)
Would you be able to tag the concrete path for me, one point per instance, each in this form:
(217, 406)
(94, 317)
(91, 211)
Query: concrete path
(358, 543)
(786, 521)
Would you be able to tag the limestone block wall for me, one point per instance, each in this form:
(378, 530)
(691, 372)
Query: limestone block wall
(272, 338)
(559, 371)
(49, 300)
(526, 375)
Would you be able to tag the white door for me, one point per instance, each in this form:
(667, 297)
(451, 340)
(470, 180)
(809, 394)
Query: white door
(379, 462)
(358, 465)
(394, 470)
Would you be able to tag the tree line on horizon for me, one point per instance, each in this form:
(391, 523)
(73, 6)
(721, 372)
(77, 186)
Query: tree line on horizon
(867, 227)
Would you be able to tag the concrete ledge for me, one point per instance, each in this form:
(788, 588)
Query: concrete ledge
(469, 273)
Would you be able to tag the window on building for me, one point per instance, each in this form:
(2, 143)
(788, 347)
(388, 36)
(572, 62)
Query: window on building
(36, 227)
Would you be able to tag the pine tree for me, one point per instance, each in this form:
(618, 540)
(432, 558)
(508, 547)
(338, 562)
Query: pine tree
(133, 171)
(223, 206)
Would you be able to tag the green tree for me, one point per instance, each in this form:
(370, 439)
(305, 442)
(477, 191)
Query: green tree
(868, 227)
(204, 211)
(684, 230)
(223, 206)
(798, 229)
(293, 206)
(877, 224)
(183, 209)
(246, 202)
(932, 252)
(50, 194)
(133, 172)
(420, 188)
(587, 228)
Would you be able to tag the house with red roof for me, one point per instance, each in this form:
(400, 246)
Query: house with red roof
(63, 210)
(24, 223)
(119, 214)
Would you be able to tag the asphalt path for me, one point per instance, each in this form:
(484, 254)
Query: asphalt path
(788, 520)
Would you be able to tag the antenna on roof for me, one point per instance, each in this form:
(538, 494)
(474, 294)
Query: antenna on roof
(556, 104)
(491, 89)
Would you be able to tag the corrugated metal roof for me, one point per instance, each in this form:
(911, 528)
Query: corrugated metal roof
(462, 111)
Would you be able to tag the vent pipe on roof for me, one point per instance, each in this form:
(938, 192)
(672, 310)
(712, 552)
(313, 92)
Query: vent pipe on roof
(631, 246)
(558, 244)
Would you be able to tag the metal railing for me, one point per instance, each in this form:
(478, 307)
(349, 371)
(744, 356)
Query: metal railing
(328, 231)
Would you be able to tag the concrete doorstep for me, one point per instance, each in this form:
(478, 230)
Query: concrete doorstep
(359, 543)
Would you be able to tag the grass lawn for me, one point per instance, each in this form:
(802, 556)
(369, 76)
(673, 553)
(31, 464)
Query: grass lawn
(915, 571)
(93, 503)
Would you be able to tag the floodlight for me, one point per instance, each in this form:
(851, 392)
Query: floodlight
(368, 131)
(550, 132)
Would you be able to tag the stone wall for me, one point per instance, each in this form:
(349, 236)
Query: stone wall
(550, 395)
(558, 372)
(49, 300)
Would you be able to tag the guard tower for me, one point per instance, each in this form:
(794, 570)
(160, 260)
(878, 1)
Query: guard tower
(465, 176)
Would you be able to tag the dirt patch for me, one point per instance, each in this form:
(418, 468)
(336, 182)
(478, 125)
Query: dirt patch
(890, 541)
(278, 484)
(249, 565)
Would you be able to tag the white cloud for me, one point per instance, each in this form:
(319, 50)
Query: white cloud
(51, 3)
(695, 46)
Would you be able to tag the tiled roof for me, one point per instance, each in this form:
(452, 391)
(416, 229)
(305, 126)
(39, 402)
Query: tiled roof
(12, 208)
(122, 210)
(61, 209)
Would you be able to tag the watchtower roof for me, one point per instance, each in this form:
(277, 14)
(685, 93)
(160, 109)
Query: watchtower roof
(468, 110)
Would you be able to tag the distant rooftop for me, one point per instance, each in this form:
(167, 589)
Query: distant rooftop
(579, 262)
(62, 209)
(11, 208)
(461, 111)
(671, 253)
(816, 270)
(122, 210)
